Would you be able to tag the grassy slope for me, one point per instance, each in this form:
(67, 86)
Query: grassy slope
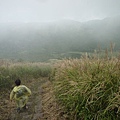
(32, 75)
(89, 88)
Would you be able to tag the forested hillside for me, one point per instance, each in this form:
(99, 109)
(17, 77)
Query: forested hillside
(55, 40)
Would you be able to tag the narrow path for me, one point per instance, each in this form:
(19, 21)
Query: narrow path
(34, 111)
(42, 104)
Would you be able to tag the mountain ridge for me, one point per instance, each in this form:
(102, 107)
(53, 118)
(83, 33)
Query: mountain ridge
(36, 41)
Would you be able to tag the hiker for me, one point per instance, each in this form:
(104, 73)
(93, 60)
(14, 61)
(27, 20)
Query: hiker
(20, 94)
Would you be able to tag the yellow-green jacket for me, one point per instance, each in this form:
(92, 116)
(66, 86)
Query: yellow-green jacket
(19, 92)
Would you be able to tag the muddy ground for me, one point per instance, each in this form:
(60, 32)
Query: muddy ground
(41, 105)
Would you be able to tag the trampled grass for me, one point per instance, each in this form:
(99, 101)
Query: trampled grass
(89, 89)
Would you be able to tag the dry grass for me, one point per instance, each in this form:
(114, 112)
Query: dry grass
(89, 88)
(51, 109)
(10, 71)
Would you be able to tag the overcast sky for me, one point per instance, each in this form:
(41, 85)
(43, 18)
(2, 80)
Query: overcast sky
(51, 10)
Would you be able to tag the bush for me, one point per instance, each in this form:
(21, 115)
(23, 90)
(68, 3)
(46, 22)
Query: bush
(89, 88)
(24, 71)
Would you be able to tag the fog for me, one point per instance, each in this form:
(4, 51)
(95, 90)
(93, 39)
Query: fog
(52, 10)
(40, 30)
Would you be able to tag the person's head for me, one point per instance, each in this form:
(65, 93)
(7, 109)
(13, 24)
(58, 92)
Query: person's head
(17, 82)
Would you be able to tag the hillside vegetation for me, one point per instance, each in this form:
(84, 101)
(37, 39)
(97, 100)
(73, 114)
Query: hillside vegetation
(56, 40)
(88, 89)
(79, 89)
(84, 77)
(33, 75)
(25, 71)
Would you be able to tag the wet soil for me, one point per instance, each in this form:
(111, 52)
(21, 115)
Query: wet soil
(42, 104)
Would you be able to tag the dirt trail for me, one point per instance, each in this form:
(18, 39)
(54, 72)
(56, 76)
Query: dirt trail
(42, 104)
(34, 111)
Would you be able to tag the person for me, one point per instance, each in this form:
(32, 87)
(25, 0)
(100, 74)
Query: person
(20, 93)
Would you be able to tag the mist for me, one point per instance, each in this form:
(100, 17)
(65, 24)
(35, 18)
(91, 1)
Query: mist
(52, 10)
(40, 30)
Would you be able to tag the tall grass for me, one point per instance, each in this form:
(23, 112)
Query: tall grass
(25, 71)
(89, 89)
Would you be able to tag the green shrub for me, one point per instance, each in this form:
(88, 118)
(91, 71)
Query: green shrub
(89, 88)
(24, 71)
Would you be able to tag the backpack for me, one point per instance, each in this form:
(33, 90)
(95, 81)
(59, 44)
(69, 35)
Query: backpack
(21, 91)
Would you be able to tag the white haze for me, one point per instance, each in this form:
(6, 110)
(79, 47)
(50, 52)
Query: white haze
(52, 10)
